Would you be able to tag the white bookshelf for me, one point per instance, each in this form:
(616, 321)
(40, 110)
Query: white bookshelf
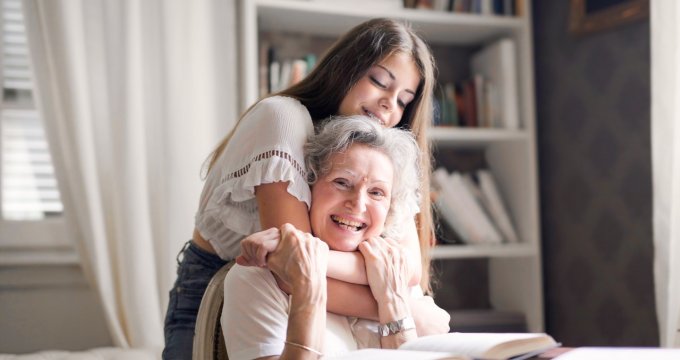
(483, 251)
(443, 136)
(515, 282)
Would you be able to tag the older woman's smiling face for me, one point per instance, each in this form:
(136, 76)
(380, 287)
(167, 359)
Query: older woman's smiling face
(350, 203)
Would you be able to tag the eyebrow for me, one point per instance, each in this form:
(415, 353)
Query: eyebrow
(394, 78)
(354, 175)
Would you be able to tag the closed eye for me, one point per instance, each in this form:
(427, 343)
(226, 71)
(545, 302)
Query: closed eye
(378, 83)
(405, 99)
(342, 183)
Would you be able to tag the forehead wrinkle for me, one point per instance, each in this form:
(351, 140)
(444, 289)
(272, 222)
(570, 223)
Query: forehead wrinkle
(355, 175)
(347, 171)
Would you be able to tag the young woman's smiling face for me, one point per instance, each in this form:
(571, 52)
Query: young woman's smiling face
(350, 203)
(385, 91)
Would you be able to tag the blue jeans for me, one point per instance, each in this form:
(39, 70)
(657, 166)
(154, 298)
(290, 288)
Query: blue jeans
(194, 271)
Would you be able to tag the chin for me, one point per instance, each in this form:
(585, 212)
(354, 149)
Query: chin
(343, 245)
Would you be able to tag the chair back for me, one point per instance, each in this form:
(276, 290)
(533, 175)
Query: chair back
(208, 339)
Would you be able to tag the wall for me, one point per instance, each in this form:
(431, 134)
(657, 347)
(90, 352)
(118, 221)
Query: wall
(593, 118)
(48, 307)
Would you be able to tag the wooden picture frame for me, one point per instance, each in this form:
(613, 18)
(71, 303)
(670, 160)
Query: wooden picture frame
(589, 16)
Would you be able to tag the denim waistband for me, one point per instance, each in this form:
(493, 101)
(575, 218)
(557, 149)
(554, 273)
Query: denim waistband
(193, 253)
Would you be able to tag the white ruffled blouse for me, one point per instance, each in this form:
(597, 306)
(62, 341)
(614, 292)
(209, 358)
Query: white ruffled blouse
(266, 147)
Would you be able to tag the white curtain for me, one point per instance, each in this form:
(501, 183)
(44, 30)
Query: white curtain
(665, 33)
(135, 94)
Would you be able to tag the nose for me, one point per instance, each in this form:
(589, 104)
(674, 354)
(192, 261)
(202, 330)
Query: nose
(356, 202)
(388, 102)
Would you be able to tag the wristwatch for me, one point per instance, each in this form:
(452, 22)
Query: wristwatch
(394, 327)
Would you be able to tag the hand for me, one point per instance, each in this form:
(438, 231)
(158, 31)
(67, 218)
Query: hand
(300, 262)
(256, 247)
(430, 319)
(387, 270)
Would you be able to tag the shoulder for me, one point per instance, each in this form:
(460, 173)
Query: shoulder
(250, 290)
(250, 280)
(280, 115)
(247, 274)
(280, 120)
(280, 105)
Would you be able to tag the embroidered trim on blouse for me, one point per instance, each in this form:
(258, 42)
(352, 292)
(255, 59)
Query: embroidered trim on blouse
(266, 155)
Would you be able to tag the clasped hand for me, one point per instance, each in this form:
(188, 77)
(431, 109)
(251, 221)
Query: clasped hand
(387, 269)
(299, 261)
(386, 266)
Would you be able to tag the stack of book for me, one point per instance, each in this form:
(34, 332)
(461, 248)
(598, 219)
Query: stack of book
(278, 71)
(487, 99)
(373, 4)
(481, 7)
(472, 205)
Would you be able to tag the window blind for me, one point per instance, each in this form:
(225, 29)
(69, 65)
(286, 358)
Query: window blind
(29, 187)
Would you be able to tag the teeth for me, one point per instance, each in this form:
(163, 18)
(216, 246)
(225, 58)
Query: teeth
(348, 224)
(372, 116)
(346, 227)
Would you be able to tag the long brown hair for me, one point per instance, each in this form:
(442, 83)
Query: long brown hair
(347, 61)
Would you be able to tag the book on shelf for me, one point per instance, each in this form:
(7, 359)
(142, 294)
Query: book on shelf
(462, 210)
(446, 110)
(472, 205)
(468, 103)
(493, 202)
(491, 346)
(284, 75)
(497, 64)
(469, 112)
(440, 5)
(448, 206)
(372, 5)
(278, 74)
(481, 7)
(450, 98)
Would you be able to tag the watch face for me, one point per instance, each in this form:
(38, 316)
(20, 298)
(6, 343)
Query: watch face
(394, 326)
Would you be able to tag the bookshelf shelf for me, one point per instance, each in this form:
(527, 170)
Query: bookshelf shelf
(514, 270)
(333, 19)
(457, 136)
(482, 251)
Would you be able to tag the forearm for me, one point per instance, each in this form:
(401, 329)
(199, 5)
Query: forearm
(301, 261)
(350, 267)
(347, 266)
(306, 329)
(395, 307)
(351, 300)
(387, 265)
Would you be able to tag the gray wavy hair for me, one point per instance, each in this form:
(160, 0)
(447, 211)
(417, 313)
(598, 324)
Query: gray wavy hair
(338, 133)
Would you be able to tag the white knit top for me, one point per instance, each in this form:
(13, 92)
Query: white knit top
(267, 147)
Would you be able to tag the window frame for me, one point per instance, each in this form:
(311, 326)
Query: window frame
(46, 241)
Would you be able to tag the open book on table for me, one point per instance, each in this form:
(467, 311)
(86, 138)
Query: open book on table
(489, 346)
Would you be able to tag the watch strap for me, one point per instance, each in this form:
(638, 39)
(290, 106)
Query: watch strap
(394, 327)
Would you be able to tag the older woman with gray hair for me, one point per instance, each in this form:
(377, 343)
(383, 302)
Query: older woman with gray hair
(364, 181)
(398, 145)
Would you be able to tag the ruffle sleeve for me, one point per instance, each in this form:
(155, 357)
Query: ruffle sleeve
(266, 147)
